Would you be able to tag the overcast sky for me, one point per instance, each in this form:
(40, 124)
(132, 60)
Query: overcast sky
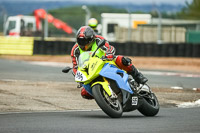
(119, 1)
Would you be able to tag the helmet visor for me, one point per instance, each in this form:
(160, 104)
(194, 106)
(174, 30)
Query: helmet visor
(93, 26)
(84, 43)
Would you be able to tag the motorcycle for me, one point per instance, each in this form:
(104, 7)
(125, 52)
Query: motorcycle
(113, 89)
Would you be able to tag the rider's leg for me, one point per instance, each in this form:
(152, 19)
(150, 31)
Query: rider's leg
(85, 94)
(125, 64)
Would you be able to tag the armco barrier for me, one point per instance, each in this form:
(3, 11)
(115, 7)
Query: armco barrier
(16, 45)
(128, 49)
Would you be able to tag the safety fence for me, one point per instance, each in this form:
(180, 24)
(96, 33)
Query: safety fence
(29, 46)
(128, 49)
(52, 47)
(158, 50)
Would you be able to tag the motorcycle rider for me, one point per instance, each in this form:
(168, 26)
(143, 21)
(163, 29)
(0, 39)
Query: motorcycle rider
(86, 40)
(93, 23)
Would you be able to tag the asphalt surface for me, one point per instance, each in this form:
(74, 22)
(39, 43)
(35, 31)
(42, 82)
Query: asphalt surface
(173, 120)
(169, 120)
(21, 70)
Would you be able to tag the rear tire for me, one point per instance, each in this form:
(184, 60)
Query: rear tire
(112, 107)
(150, 107)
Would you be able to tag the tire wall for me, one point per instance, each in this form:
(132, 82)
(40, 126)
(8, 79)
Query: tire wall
(128, 49)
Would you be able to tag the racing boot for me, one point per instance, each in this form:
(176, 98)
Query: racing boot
(126, 64)
(138, 76)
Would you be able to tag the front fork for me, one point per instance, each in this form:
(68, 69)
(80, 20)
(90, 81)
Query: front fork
(106, 86)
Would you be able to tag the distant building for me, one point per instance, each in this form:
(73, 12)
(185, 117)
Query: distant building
(143, 28)
(111, 20)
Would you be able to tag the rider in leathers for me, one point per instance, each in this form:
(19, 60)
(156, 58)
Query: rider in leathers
(86, 39)
(93, 23)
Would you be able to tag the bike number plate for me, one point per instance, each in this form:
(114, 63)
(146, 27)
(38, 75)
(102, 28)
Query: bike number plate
(134, 100)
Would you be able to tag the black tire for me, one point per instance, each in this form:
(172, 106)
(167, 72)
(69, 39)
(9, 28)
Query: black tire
(114, 111)
(150, 107)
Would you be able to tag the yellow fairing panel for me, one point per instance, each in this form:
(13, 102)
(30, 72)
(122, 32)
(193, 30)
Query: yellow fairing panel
(105, 86)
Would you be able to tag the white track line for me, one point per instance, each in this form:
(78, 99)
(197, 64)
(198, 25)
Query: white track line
(86, 110)
(178, 74)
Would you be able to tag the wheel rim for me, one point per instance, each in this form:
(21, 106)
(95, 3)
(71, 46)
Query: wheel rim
(151, 99)
(113, 103)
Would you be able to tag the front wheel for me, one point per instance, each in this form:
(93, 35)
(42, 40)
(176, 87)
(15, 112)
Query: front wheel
(112, 107)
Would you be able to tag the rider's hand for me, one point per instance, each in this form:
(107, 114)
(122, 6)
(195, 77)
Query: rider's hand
(108, 57)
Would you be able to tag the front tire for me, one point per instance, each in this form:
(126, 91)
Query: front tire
(112, 107)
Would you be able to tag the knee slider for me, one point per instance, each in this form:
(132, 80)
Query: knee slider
(126, 61)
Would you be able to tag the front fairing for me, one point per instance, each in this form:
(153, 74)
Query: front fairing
(88, 68)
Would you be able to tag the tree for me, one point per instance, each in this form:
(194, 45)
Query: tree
(191, 11)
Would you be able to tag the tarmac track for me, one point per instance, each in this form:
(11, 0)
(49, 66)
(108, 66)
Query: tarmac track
(169, 120)
(176, 120)
(20, 70)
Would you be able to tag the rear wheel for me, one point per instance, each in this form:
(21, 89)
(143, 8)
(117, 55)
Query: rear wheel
(150, 106)
(111, 106)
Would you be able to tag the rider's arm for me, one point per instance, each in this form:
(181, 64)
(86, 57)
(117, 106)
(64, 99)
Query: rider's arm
(107, 47)
(111, 50)
(74, 55)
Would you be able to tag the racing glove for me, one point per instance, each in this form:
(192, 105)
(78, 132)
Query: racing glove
(109, 57)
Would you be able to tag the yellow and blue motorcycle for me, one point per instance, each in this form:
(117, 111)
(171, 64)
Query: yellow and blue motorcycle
(112, 88)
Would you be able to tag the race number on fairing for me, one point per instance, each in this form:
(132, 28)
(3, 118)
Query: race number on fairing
(80, 76)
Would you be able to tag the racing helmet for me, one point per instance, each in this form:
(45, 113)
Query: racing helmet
(85, 37)
(93, 23)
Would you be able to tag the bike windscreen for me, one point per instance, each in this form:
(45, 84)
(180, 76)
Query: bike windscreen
(83, 58)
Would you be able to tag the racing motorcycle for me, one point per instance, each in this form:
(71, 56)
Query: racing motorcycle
(113, 89)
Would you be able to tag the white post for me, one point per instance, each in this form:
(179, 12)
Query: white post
(88, 14)
(46, 26)
(4, 14)
(4, 23)
(159, 39)
(129, 25)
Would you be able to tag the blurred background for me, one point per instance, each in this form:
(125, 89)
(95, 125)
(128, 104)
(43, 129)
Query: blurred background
(127, 22)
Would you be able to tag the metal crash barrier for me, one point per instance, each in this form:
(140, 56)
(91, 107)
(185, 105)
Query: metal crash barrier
(16, 45)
